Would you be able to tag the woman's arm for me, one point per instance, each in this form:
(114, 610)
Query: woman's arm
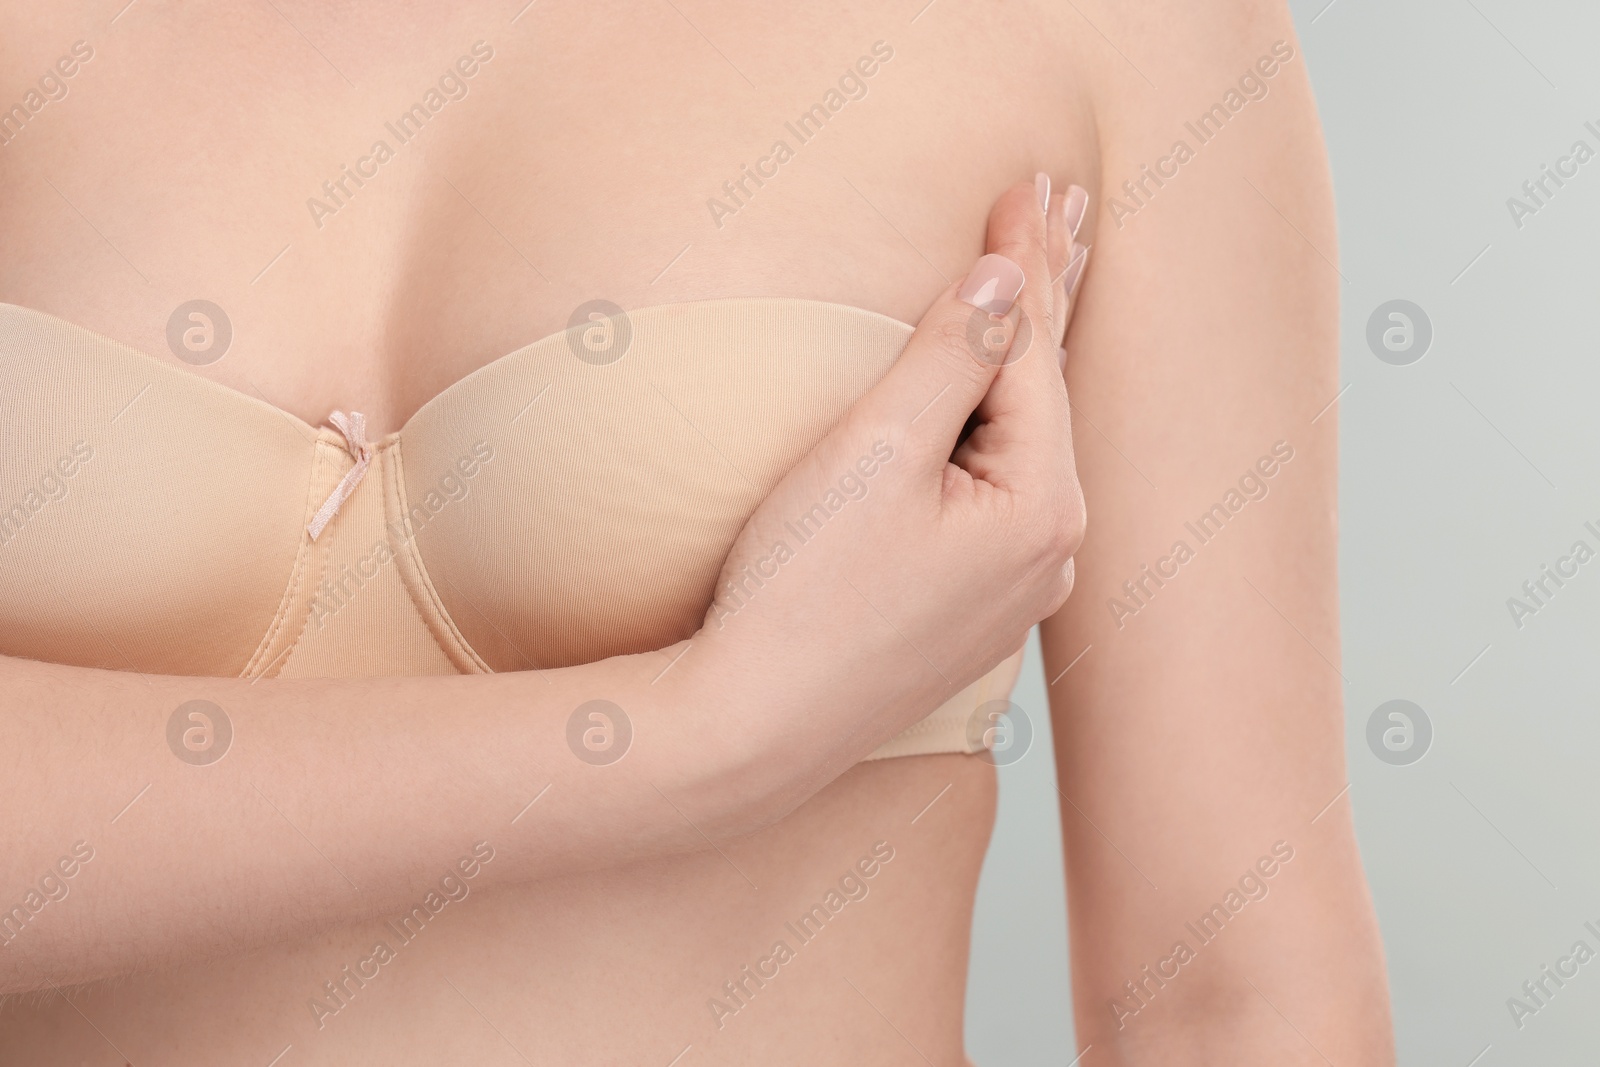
(333, 800)
(339, 799)
(1218, 907)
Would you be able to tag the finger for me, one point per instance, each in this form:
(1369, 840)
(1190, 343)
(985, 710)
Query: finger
(1024, 431)
(1077, 214)
(949, 364)
(1065, 219)
(1029, 384)
(1072, 277)
(1058, 251)
(1077, 207)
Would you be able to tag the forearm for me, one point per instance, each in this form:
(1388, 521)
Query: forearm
(334, 800)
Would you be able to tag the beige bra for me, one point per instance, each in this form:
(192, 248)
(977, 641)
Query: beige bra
(550, 509)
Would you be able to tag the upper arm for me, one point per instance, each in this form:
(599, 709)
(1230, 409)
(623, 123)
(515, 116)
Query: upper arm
(1203, 723)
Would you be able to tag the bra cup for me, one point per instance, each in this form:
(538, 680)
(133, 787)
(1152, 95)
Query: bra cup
(568, 510)
(144, 524)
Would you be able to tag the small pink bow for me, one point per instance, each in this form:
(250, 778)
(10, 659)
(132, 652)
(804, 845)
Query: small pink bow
(354, 428)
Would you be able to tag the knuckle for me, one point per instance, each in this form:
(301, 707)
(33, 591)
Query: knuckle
(1057, 590)
(1072, 522)
(1022, 244)
(1039, 535)
(1061, 524)
(950, 335)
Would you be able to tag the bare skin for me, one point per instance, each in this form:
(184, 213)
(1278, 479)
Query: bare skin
(579, 165)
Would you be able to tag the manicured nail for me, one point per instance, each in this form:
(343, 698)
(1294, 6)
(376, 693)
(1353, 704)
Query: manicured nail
(993, 285)
(1077, 202)
(1041, 185)
(1074, 272)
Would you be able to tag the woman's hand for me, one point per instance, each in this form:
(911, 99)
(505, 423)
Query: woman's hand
(915, 588)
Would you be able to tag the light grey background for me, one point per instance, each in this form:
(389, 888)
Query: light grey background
(1461, 475)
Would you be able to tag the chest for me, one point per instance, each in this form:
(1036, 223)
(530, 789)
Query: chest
(383, 200)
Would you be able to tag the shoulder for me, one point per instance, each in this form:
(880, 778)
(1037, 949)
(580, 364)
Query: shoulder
(1183, 89)
(1149, 63)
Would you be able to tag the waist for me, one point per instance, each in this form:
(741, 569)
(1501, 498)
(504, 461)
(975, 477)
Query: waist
(628, 964)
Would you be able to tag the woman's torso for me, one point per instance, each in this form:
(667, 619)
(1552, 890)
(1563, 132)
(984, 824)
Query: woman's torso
(578, 161)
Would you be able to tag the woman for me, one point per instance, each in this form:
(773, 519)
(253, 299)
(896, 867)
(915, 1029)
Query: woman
(531, 715)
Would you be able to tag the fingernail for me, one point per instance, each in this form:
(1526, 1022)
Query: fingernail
(1077, 202)
(1074, 272)
(993, 285)
(1061, 358)
(1078, 281)
(1041, 185)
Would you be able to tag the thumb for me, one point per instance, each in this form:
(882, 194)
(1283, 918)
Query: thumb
(949, 363)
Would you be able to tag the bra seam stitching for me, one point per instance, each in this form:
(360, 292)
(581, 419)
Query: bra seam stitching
(435, 615)
(304, 563)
